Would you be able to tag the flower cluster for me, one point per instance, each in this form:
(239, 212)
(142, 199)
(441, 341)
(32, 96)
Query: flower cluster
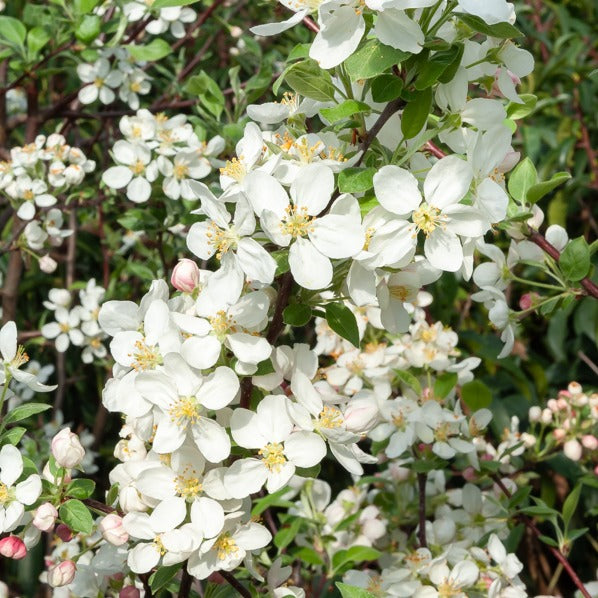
(154, 146)
(77, 325)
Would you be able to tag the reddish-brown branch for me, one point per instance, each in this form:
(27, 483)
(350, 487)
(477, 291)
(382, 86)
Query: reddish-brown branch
(590, 287)
(558, 555)
(311, 25)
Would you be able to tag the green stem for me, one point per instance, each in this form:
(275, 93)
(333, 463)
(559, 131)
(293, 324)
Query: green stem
(537, 284)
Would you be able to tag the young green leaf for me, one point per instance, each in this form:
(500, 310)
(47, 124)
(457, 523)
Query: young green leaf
(76, 515)
(416, 113)
(476, 395)
(521, 179)
(342, 320)
(309, 80)
(373, 59)
(24, 411)
(575, 259)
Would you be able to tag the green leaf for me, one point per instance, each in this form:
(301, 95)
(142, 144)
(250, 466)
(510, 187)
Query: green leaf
(80, 488)
(162, 576)
(37, 38)
(348, 591)
(166, 3)
(444, 384)
(297, 314)
(386, 88)
(372, 60)
(309, 80)
(12, 31)
(435, 66)
(416, 113)
(345, 110)
(308, 555)
(575, 259)
(264, 367)
(156, 49)
(24, 411)
(76, 515)
(342, 320)
(83, 7)
(476, 395)
(208, 91)
(548, 540)
(271, 500)
(140, 271)
(521, 179)
(285, 535)
(356, 180)
(89, 28)
(355, 554)
(539, 190)
(410, 380)
(570, 504)
(520, 495)
(502, 30)
(12, 436)
(515, 111)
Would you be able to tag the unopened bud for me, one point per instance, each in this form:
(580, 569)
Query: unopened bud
(13, 547)
(47, 264)
(590, 442)
(112, 530)
(129, 592)
(64, 532)
(559, 434)
(573, 450)
(45, 517)
(185, 276)
(67, 449)
(62, 574)
(575, 388)
(535, 413)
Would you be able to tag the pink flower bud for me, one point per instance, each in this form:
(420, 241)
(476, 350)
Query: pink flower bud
(573, 450)
(526, 300)
(67, 449)
(47, 264)
(562, 404)
(62, 574)
(185, 276)
(13, 547)
(45, 517)
(112, 530)
(552, 405)
(129, 592)
(559, 434)
(64, 532)
(590, 442)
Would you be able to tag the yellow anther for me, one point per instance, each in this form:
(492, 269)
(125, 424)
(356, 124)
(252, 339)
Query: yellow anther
(185, 411)
(427, 218)
(296, 222)
(273, 456)
(225, 546)
(330, 417)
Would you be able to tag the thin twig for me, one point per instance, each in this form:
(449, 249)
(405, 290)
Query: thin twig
(230, 578)
(558, 555)
(185, 585)
(421, 532)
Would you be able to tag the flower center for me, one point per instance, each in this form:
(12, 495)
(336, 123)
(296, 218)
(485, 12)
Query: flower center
(4, 494)
(222, 324)
(188, 486)
(225, 546)
(369, 233)
(234, 169)
(427, 218)
(399, 292)
(290, 99)
(399, 420)
(330, 417)
(145, 357)
(272, 456)
(20, 357)
(446, 590)
(222, 239)
(138, 168)
(185, 411)
(98, 82)
(64, 327)
(28, 195)
(135, 86)
(180, 171)
(297, 222)
(159, 546)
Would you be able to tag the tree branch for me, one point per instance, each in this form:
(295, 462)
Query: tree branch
(230, 578)
(421, 532)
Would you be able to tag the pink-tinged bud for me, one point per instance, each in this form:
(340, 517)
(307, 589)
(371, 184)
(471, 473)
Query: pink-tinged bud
(112, 530)
(546, 416)
(562, 404)
(13, 547)
(67, 449)
(361, 415)
(590, 442)
(559, 434)
(526, 300)
(45, 517)
(596, 470)
(469, 474)
(575, 388)
(64, 532)
(62, 574)
(47, 264)
(573, 450)
(185, 276)
(129, 592)
(552, 405)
